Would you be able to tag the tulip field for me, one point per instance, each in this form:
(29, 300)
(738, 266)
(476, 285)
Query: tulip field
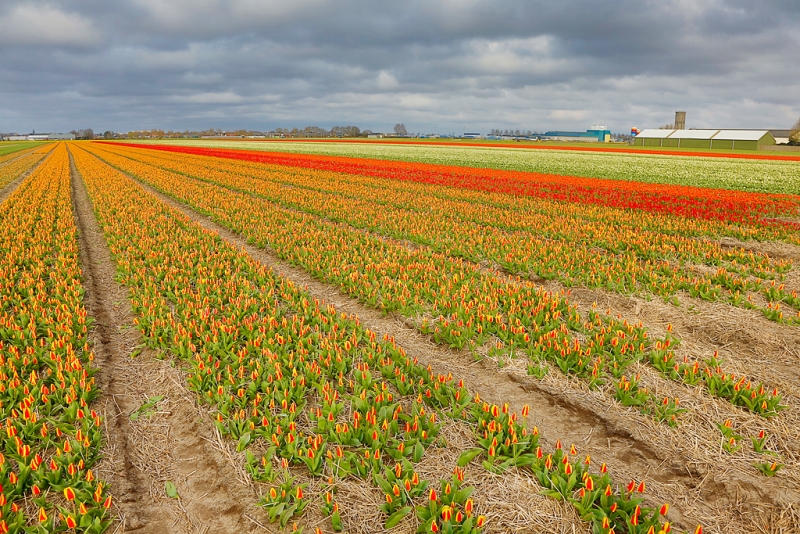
(772, 174)
(51, 434)
(14, 164)
(510, 344)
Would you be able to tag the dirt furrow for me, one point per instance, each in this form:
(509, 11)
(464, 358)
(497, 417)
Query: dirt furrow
(781, 251)
(155, 431)
(748, 342)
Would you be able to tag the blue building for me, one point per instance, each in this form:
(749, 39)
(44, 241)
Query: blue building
(597, 134)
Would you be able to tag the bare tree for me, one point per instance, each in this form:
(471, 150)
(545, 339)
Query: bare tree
(400, 129)
(794, 136)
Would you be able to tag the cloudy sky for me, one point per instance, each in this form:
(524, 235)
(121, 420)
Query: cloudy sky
(435, 65)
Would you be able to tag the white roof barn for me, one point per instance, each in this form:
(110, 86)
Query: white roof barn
(730, 139)
(693, 134)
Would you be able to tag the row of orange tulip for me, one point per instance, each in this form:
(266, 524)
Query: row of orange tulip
(52, 438)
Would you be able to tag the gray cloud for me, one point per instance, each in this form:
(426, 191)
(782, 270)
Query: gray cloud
(43, 25)
(447, 65)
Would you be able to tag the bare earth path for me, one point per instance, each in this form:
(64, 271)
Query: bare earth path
(174, 440)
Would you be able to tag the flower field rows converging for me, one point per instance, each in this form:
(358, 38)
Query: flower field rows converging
(303, 388)
(460, 305)
(576, 244)
(739, 173)
(16, 164)
(51, 436)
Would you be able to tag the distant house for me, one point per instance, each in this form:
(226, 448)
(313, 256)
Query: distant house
(725, 139)
(375, 136)
(61, 137)
(781, 136)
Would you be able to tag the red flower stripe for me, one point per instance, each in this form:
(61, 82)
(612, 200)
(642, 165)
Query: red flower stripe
(684, 201)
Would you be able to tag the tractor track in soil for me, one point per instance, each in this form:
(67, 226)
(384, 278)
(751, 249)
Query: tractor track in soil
(177, 440)
(572, 418)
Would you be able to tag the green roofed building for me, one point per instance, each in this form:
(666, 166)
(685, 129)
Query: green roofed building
(724, 139)
(597, 134)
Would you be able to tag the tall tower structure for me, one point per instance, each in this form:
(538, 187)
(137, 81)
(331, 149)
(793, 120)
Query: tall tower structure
(680, 120)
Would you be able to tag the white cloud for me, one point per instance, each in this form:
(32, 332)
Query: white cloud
(386, 80)
(45, 25)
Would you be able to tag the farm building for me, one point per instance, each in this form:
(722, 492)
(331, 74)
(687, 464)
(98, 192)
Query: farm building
(725, 139)
(781, 136)
(597, 134)
(41, 137)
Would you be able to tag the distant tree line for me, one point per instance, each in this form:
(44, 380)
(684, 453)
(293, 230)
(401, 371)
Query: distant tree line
(308, 131)
(316, 131)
